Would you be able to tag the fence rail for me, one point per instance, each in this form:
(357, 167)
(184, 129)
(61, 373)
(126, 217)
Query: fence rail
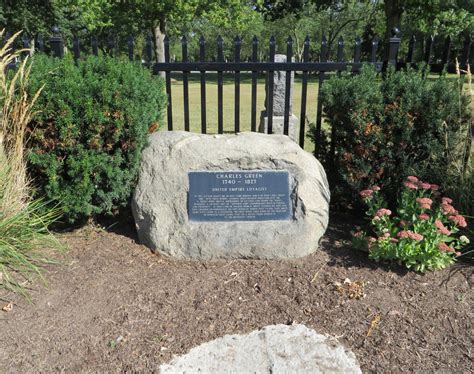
(321, 67)
(255, 67)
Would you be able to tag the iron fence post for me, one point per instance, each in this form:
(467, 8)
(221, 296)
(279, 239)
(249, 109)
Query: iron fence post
(56, 43)
(393, 44)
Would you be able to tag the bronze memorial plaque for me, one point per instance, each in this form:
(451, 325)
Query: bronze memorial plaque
(244, 195)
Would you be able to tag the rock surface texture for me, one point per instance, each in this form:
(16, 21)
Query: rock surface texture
(274, 349)
(160, 201)
(279, 94)
(279, 89)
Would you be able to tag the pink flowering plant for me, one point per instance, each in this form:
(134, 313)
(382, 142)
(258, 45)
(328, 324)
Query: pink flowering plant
(421, 233)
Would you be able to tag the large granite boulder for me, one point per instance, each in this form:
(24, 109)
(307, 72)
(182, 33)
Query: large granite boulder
(160, 203)
(274, 349)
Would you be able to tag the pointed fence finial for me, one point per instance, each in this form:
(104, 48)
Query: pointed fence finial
(357, 49)
(340, 49)
(202, 48)
(411, 49)
(324, 45)
(272, 49)
(254, 48)
(220, 49)
(237, 45)
(375, 46)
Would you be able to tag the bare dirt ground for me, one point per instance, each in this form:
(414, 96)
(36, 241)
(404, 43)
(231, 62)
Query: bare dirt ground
(113, 306)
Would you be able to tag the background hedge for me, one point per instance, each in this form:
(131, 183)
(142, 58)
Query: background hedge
(86, 142)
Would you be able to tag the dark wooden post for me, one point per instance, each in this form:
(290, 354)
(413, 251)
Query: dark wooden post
(56, 43)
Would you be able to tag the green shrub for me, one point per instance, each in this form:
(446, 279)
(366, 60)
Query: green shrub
(387, 129)
(85, 144)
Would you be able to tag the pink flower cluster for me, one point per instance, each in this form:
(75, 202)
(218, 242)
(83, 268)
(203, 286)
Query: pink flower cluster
(358, 234)
(413, 183)
(382, 212)
(424, 217)
(441, 228)
(410, 234)
(448, 209)
(458, 220)
(453, 214)
(446, 200)
(446, 206)
(366, 194)
(424, 202)
(443, 247)
(410, 185)
(384, 236)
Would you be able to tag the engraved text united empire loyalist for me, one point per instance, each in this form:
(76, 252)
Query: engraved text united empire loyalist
(246, 195)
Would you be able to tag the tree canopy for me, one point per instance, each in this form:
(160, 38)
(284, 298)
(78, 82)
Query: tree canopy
(282, 18)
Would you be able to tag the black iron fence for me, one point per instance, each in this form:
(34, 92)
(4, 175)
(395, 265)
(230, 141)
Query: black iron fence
(307, 68)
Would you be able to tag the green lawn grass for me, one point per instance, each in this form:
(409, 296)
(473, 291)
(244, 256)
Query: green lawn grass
(228, 101)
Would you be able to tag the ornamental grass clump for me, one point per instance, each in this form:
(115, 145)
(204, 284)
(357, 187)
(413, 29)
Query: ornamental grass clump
(421, 232)
(23, 222)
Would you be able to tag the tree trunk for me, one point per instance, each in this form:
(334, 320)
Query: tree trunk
(393, 14)
(159, 33)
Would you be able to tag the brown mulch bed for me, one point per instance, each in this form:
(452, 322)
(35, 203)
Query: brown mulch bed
(113, 306)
